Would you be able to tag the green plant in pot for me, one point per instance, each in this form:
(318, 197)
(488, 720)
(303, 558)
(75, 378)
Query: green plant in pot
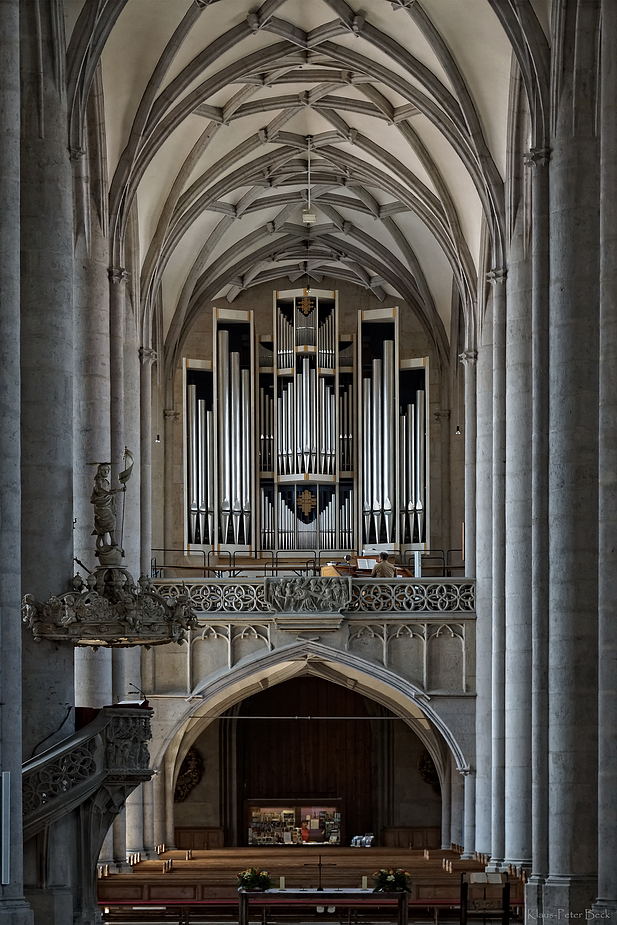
(254, 879)
(391, 880)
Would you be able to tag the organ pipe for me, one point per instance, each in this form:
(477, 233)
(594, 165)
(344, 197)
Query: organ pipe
(367, 460)
(201, 468)
(420, 461)
(246, 453)
(224, 433)
(236, 445)
(388, 443)
(192, 461)
(377, 445)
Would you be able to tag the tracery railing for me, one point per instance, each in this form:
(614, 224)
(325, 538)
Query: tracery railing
(111, 750)
(349, 597)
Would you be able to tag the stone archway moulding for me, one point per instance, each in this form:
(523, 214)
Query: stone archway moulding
(211, 699)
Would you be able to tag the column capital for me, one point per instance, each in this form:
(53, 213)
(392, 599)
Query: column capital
(468, 357)
(171, 413)
(465, 770)
(537, 157)
(117, 274)
(443, 413)
(147, 355)
(76, 154)
(497, 275)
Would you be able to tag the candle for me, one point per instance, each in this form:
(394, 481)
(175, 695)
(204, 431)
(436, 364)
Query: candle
(365, 883)
(281, 883)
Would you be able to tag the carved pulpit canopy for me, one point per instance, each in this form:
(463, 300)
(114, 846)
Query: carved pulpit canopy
(109, 608)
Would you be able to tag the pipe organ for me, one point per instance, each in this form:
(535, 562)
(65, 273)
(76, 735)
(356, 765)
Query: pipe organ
(319, 445)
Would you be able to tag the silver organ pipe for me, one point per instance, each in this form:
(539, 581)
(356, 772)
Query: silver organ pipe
(236, 445)
(420, 462)
(367, 460)
(210, 473)
(192, 461)
(201, 468)
(246, 454)
(376, 441)
(262, 431)
(306, 436)
(389, 442)
(224, 433)
(279, 431)
(402, 442)
(285, 428)
(313, 418)
(323, 423)
(332, 432)
(411, 471)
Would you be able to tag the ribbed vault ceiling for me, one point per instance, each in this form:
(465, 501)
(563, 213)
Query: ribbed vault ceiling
(208, 108)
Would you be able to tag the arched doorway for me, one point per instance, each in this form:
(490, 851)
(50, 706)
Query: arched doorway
(353, 755)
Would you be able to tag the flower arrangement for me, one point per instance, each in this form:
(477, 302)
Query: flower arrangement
(393, 879)
(254, 878)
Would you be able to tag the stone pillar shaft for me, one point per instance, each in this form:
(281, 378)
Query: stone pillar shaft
(469, 833)
(517, 696)
(573, 470)
(469, 359)
(484, 532)
(446, 807)
(497, 277)
(539, 521)
(607, 572)
(147, 358)
(46, 368)
(13, 908)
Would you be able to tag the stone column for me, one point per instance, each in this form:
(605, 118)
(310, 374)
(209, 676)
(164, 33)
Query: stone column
(13, 908)
(93, 682)
(106, 854)
(457, 805)
(539, 162)
(119, 843)
(518, 552)
(132, 439)
(147, 357)
(573, 469)
(469, 359)
(607, 571)
(148, 810)
(158, 792)
(484, 585)
(46, 367)
(170, 833)
(446, 807)
(469, 832)
(117, 308)
(497, 277)
(135, 821)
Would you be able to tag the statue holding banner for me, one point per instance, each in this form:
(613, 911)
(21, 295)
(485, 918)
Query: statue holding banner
(104, 500)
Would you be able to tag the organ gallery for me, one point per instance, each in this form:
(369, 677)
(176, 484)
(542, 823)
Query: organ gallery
(311, 437)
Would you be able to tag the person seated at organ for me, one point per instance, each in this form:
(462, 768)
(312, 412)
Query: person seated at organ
(383, 569)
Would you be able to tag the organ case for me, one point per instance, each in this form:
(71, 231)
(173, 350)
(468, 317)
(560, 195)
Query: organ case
(318, 442)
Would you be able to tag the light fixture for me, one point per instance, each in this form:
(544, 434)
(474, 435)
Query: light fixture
(309, 216)
(158, 438)
(458, 431)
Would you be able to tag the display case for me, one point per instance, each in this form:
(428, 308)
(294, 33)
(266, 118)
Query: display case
(287, 823)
